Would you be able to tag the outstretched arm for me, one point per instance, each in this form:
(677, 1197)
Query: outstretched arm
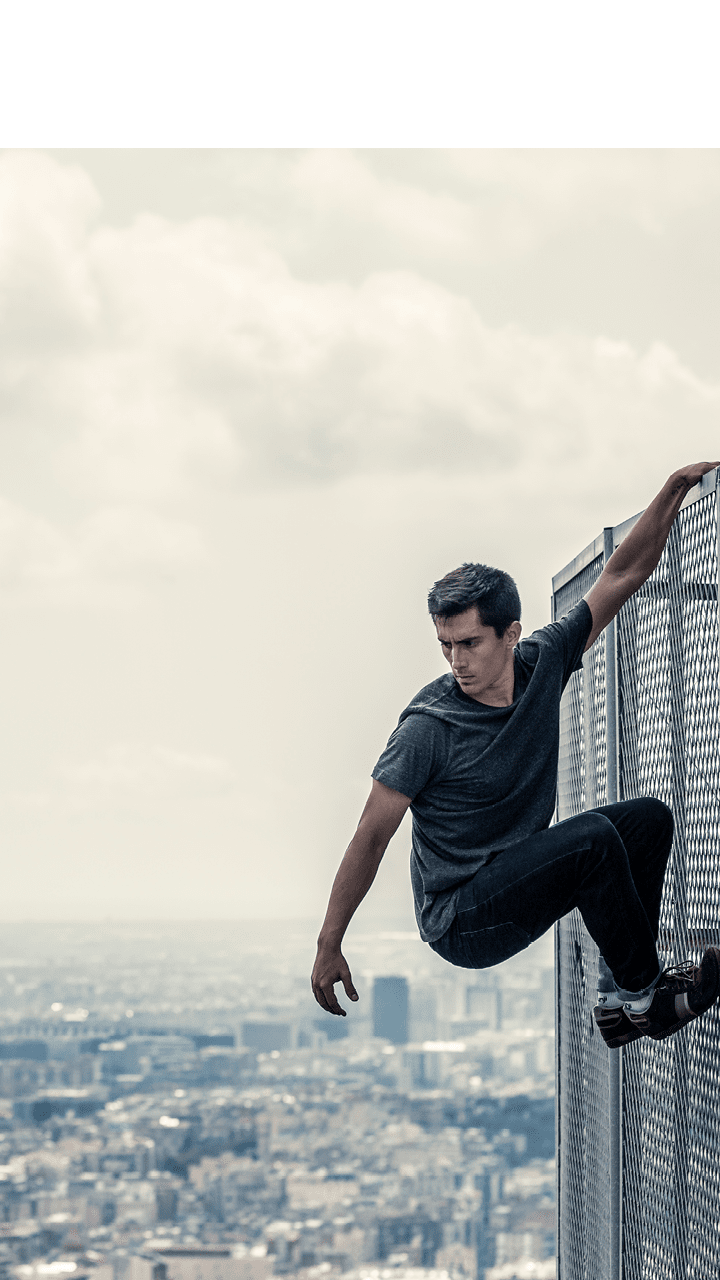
(380, 819)
(639, 553)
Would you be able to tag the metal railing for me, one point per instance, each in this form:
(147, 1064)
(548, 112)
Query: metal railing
(639, 1128)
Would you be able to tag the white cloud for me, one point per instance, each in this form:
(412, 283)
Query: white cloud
(281, 379)
(193, 359)
(115, 542)
(542, 189)
(341, 187)
(34, 555)
(132, 772)
(338, 210)
(195, 397)
(123, 777)
(107, 557)
(48, 295)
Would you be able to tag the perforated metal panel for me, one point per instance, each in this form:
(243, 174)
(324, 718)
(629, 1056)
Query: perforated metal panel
(658, 707)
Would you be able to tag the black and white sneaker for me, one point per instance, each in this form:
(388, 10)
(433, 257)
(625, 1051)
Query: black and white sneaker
(612, 1021)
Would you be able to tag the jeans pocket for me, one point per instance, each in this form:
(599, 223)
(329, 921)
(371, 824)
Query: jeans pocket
(493, 944)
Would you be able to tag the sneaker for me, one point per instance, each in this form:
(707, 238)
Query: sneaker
(683, 992)
(614, 1025)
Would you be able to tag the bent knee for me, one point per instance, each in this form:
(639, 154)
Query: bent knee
(657, 816)
(598, 827)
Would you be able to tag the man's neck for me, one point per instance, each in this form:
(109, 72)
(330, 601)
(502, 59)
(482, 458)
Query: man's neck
(501, 693)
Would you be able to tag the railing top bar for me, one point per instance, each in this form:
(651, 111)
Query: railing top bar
(576, 566)
(707, 485)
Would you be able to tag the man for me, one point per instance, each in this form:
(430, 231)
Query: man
(475, 758)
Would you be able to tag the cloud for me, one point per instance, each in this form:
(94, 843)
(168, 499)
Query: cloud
(123, 776)
(198, 360)
(314, 382)
(537, 191)
(132, 772)
(336, 211)
(107, 557)
(48, 295)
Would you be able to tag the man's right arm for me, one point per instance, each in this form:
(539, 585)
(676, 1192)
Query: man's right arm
(380, 819)
(639, 553)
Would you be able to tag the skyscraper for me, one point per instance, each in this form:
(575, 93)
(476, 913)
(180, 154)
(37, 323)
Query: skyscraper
(390, 1009)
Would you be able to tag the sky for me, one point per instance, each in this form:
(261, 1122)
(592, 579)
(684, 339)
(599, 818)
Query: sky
(254, 402)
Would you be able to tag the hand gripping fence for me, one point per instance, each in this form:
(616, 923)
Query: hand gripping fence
(638, 1128)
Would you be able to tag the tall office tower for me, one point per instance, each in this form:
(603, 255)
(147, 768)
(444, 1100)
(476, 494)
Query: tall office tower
(423, 1013)
(390, 1009)
(639, 1128)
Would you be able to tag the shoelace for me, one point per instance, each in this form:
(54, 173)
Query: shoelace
(684, 972)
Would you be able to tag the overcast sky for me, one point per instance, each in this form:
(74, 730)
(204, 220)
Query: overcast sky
(254, 404)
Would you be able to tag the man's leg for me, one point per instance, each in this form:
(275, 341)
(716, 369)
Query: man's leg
(684, 992)
(582, 863)
(645, 826)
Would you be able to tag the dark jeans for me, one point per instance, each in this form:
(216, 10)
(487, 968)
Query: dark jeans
(609, 863)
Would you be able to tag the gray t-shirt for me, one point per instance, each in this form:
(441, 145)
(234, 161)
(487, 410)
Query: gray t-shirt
(480, 778)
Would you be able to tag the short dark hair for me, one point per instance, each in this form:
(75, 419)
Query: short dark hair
(492, 591)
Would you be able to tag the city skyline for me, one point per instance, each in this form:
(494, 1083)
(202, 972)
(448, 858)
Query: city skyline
(173, 1092)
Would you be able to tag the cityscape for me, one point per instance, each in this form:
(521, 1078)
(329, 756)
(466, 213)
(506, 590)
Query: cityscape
(175, 1106)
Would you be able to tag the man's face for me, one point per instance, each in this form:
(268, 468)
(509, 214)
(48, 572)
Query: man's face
(481, 662)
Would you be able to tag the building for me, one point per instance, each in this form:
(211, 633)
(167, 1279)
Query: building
(637, 1196)
(390, 1009)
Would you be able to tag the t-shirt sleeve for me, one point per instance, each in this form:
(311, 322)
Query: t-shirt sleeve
(568, 636)
(415, 751)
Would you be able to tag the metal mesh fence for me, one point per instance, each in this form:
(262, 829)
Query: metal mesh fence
(661, 704)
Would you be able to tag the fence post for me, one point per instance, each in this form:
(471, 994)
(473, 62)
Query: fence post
(676, 629)
(615, 1059)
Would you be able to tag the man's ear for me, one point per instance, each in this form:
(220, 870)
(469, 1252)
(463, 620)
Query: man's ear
(513, 633)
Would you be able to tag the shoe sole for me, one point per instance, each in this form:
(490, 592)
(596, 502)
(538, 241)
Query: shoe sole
(615, 1031)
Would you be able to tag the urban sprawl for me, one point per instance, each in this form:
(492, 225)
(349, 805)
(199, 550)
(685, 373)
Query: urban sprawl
(175, 1106)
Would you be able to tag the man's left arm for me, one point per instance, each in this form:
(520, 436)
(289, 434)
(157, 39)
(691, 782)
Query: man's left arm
(639, 553)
